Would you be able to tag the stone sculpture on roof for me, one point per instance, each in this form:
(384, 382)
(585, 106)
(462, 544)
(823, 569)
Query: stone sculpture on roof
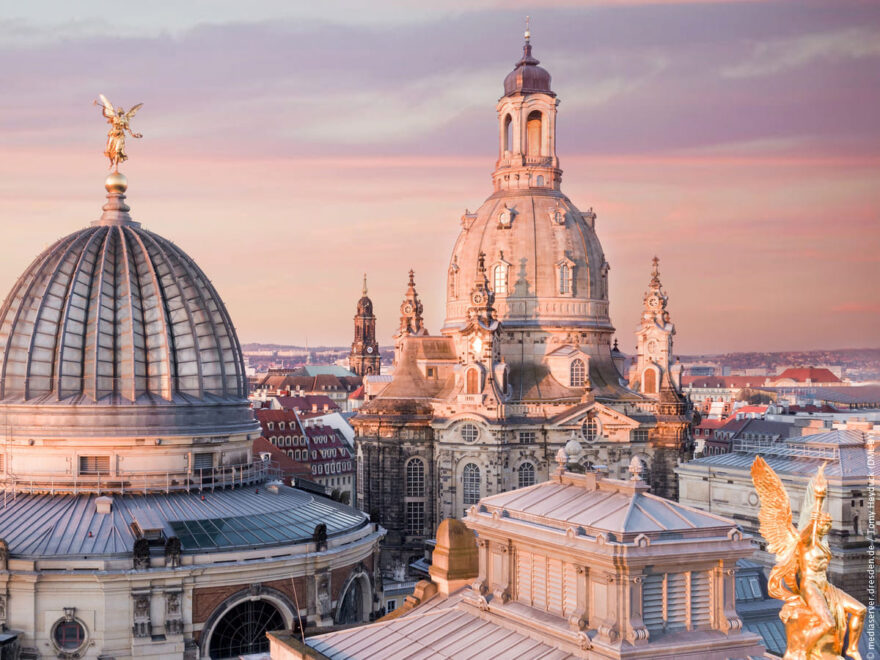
(818, 616)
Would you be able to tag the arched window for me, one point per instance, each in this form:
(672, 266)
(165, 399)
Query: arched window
(526, 474)
(469, 432)
(590, 429)
(564, 278)
(473, 381)
(242, 630)
(500, 279)
(508, 134)
(578, 373)
(470, 485)
(415, 478)
(650, 380)
(539, 180)
(533, 132)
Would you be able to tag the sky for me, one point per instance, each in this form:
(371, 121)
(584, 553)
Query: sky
(289, 147)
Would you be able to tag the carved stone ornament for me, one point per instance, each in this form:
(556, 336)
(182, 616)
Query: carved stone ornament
(557, 216)
(505, 218)
(142, 625)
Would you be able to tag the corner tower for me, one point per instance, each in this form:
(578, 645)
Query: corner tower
(364, 358)
(654, 368)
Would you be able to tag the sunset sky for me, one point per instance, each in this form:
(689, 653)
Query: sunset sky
(291, 146)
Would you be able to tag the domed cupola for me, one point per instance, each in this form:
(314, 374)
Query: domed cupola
(527, 77)
(113, 340)
(544, 261)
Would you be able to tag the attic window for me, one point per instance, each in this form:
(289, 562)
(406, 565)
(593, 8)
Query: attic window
(431, 372)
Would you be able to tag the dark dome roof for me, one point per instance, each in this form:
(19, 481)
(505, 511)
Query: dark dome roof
(527, 77)
(365, 307)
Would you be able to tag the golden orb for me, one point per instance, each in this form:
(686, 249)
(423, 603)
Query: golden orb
(116, 183)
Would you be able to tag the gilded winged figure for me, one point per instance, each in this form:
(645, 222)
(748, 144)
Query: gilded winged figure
(119, 120)
(817, 615)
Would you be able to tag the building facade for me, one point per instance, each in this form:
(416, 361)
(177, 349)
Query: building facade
(524, 361)
(136, 520)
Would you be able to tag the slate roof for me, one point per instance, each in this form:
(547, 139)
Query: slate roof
(47, 526)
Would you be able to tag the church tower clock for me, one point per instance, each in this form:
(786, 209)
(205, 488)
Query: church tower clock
(364, 357)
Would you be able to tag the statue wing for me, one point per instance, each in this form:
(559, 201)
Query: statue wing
(775, 513)
(131, 113)
(108, 107)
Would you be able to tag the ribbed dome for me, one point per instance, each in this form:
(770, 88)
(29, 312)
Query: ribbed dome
(531, 233)
(115, 313)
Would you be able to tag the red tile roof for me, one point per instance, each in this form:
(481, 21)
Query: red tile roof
(813, 374)
(289, 467)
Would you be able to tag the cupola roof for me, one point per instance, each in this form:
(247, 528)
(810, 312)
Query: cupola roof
(527, 77)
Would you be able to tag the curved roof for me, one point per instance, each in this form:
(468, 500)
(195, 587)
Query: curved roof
(545, 230)
(47, 526)
(115, 313)
(527, 77)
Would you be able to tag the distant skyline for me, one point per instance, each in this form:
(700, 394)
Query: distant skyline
(291, 147)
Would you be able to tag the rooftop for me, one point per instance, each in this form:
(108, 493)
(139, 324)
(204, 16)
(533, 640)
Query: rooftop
(47, 526)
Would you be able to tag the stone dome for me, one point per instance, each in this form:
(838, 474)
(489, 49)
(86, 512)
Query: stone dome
(532, 233)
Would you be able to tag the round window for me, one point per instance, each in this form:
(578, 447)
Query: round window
(590, 429)
(69, 635)
(469, 432)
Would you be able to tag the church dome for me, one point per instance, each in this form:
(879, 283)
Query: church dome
(543, 261)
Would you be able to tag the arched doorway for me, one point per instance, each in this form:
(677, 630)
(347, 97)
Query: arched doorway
(242, 630)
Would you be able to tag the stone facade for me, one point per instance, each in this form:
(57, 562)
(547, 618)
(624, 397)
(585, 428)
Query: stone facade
(523, 364)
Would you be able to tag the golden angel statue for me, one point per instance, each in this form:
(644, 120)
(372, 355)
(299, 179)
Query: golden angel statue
(119, 124)
(817, 615)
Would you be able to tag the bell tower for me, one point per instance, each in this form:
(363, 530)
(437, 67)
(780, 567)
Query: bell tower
(527, 128)
(364, 358)
(654, 370)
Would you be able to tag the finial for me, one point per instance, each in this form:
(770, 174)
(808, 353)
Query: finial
(365, 284)
(615, 344)
(481, 262)
(635, 468)
(528, 33)
(412, 280)
(119, 120)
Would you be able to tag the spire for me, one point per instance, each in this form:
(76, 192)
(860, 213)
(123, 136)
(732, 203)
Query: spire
(655, 273)
(411, 310)
(365, 285)
(527, 47)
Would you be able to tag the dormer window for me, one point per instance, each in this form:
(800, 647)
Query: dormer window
(577, 373)
(565, 277)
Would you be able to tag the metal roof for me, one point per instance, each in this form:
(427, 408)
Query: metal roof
(844, 452)
(448, 633)
(44, 526)
(610, 506)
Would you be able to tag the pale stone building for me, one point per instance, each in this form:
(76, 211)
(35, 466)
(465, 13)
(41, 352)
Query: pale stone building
(524, 362)
(722, 484)
(580, 566)
(135, 520)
